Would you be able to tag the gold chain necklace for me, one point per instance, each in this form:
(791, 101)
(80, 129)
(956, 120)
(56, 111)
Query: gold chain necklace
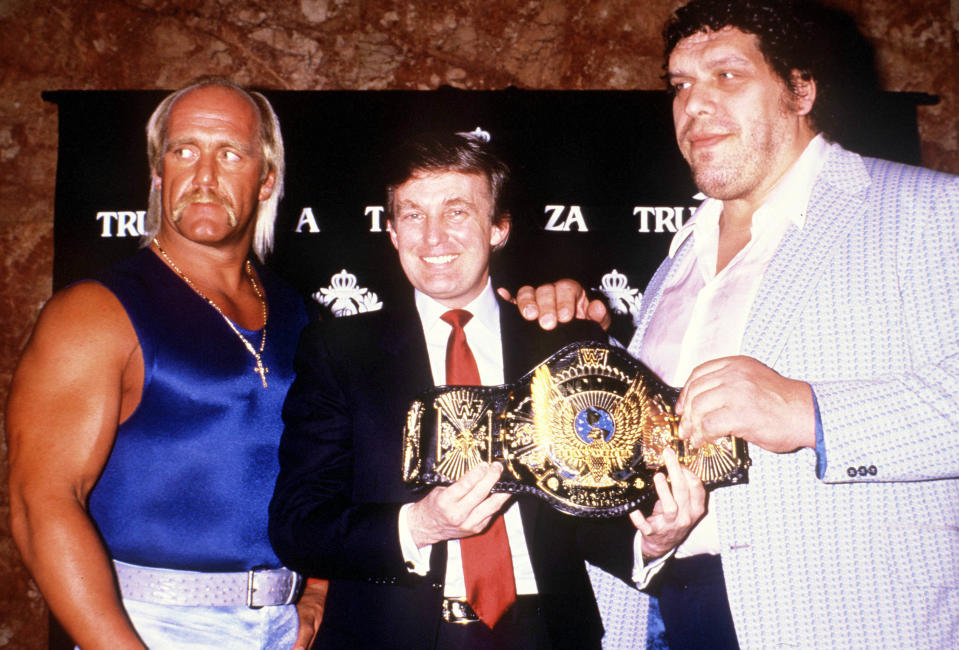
(260, 369)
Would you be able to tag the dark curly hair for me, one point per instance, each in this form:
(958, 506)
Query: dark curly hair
(792, 37)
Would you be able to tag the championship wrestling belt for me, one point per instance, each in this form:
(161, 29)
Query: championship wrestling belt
(584, 430)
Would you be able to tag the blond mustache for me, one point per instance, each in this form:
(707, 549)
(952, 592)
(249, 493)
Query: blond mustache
(203, 197)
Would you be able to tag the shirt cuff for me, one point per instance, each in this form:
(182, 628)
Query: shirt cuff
(643, 573)
(417, 559)
(820, 440)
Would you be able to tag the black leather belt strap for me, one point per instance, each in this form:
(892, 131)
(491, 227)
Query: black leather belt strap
(458, 611)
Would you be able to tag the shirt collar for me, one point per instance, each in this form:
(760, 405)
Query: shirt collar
(789, 198)
(484, 308)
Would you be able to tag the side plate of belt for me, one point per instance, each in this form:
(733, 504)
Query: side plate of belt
(584, 430)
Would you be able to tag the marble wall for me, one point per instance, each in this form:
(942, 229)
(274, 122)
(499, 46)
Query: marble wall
(343, 44)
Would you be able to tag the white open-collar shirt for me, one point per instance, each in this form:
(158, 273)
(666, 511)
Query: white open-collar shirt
(702, 314)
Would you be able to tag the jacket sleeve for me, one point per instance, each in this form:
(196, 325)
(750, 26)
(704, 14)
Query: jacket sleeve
(608, 544)
(315, 526)
(904, 425)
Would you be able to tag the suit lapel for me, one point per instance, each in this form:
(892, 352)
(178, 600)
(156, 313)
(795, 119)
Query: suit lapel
(797, 266)
(518, 353)
(408, 342)
(402, 369)
(516, 347)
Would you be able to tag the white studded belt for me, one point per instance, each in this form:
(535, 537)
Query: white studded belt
(258, 587)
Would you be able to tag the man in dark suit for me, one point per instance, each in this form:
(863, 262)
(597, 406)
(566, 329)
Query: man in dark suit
(459, 567)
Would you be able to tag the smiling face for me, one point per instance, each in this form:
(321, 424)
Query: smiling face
(210, 175)
(737, 124)
(442, 228)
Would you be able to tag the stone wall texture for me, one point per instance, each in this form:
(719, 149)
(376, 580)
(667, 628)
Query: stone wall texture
(343, 44)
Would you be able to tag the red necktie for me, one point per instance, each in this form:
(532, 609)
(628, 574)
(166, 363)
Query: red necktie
(487, 562)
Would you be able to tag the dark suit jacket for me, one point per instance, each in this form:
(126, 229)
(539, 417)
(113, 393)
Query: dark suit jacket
(335, 510)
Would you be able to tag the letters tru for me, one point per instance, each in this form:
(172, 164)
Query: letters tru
(121, 224)
(664, 219)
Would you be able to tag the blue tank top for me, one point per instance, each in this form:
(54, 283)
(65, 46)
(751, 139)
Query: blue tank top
(189, 480)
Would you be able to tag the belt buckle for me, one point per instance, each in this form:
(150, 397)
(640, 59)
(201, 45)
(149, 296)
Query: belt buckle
(296, 586)
(250, 588)
(458, 612)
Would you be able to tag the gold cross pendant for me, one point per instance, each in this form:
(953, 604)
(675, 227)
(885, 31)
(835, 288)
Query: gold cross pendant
(261, 370)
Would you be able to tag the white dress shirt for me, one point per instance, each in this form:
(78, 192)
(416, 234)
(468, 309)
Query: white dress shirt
(483, 337)
(702, 314)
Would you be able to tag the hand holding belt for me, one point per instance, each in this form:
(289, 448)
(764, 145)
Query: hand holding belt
(584, 430)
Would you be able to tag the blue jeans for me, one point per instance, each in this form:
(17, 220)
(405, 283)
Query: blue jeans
(213, 628)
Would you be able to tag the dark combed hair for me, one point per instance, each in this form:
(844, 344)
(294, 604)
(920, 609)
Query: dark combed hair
(466, 153)
(792, 36)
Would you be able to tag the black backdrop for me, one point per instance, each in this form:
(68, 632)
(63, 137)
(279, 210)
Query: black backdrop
(599, 184)
(593, 173)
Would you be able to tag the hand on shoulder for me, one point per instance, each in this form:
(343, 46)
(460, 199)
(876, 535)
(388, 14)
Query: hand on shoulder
(558, 302)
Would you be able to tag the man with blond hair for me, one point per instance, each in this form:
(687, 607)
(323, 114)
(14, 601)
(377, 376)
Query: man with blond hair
(143, 418)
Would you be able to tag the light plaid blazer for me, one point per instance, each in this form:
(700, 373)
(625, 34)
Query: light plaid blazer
(862, 303)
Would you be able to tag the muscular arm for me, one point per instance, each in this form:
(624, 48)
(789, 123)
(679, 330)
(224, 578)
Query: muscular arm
(80, 375)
